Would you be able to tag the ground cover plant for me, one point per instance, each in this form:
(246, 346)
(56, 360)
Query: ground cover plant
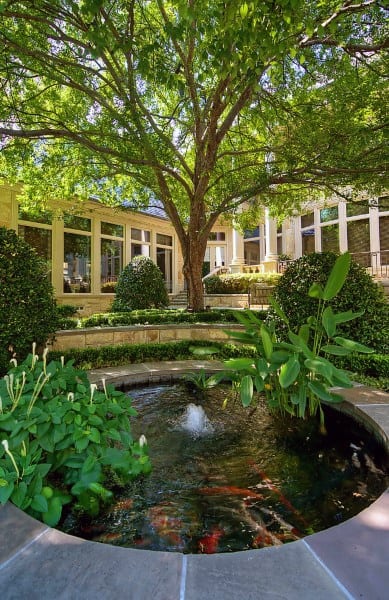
(297, 375)
(140, 285)
(28, 311)
(62, 439)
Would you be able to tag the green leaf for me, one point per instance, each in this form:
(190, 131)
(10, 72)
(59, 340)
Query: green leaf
(278, 310)
(267, 342)
(246, 390)
(353, 346)
(337, 277)
(289, 372)
(300, 345)
(349, 315)
(329, 322)
(335, 350)
(239, 364)
(321, 367)
(53, 514)
(315, 291)
(39, 503)
(6, 490)
(321, 392)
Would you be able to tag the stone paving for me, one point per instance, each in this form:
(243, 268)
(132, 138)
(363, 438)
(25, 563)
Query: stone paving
(349, 561)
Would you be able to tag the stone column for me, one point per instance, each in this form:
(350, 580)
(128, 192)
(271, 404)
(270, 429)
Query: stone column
(237, 252)
(271, 256)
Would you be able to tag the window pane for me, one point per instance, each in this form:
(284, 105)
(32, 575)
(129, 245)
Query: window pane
(383, 203)
(279, 244)
(308, 241)
(357, 209)
(307, 220)
(165, 263)
(77, 263)
(73, 222)
(251, 233)
(164, 240)
(384, 233)
(39, 239)
(140, 235)
(215, 236)
(358, 236)
(140, 250)
(39, 217)
(111, 260)
(251, 253)
(112, 229)
(328, 214)
(330, 238)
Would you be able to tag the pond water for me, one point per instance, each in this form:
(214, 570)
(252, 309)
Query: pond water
(233, 479)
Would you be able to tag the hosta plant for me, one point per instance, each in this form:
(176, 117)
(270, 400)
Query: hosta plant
(297, 375)
(61, 439)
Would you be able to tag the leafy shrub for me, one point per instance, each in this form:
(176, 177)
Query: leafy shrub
(121, 354)
(66, 310)
(160, 317)
(237, 283)
(359, 293)
(61, 437)
(109, 287)
(28, 311)
(140, 285)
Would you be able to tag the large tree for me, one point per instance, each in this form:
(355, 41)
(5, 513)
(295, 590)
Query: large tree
(203, 105)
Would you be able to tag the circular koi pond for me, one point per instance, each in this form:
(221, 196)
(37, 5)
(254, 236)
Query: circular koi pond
(230, 479)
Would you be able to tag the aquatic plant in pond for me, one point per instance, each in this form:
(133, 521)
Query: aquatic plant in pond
(297, 376)
(62, 438)
(250, 480)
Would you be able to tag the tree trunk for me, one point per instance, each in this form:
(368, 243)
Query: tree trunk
(193, 254)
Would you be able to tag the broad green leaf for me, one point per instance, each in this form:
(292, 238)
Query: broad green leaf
(349, 315)
(321, 392)
(6, 490)
(300, 344)
(267, 342)
(280, 356)
(239, 363)
(289, 372)
(39, 503)
(203, 350)
(329, 322)
(336, 350)
(304, 332)
(53, 515)
(337, 277)
(315, 291)
(353, 346)
(259, 384)
(321, 367)
(246, 390)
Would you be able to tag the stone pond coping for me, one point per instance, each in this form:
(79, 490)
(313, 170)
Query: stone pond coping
(348, 561)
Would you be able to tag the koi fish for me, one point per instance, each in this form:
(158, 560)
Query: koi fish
(229, 489)
(123, 504)
(265, 538)
(108, 537)
(286, 526)
(270, 485)
(209, 544)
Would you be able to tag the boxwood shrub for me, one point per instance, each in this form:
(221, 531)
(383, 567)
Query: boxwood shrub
(140, 285)
(237, 283)
(28, 311)
(359, 292)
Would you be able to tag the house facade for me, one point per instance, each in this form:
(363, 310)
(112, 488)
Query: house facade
(87, 248)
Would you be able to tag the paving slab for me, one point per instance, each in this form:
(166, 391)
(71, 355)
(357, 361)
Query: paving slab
(17, 530)
(61, 567)
(357, 551)
(290, 572)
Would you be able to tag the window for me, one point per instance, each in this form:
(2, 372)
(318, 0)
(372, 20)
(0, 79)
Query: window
(111, 254)
(217, 236)
(308, 241)
(41, 217)
(358, 240)
(307, 220)
(77, 256)
(165, 258)
(251, 233)
(357, 208)
(38, 238)
(328, 214)
(137, 248)
(330, 238)
(252, 253)
(384, 233)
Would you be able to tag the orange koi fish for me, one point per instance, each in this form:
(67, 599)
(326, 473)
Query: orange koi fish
(209, 544)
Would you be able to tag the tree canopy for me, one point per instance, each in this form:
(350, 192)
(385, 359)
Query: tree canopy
(201, 105)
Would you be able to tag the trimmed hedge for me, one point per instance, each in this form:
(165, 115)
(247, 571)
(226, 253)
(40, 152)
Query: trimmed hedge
(110, 356)
(238, 283)
(140, 285)
(372, 365)
(159, 317)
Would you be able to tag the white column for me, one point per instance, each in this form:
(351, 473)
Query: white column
(271, 256)
(237, 252)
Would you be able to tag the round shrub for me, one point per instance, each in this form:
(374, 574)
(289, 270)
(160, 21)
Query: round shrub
(140, 285)
(359, 292)
(28, 311)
